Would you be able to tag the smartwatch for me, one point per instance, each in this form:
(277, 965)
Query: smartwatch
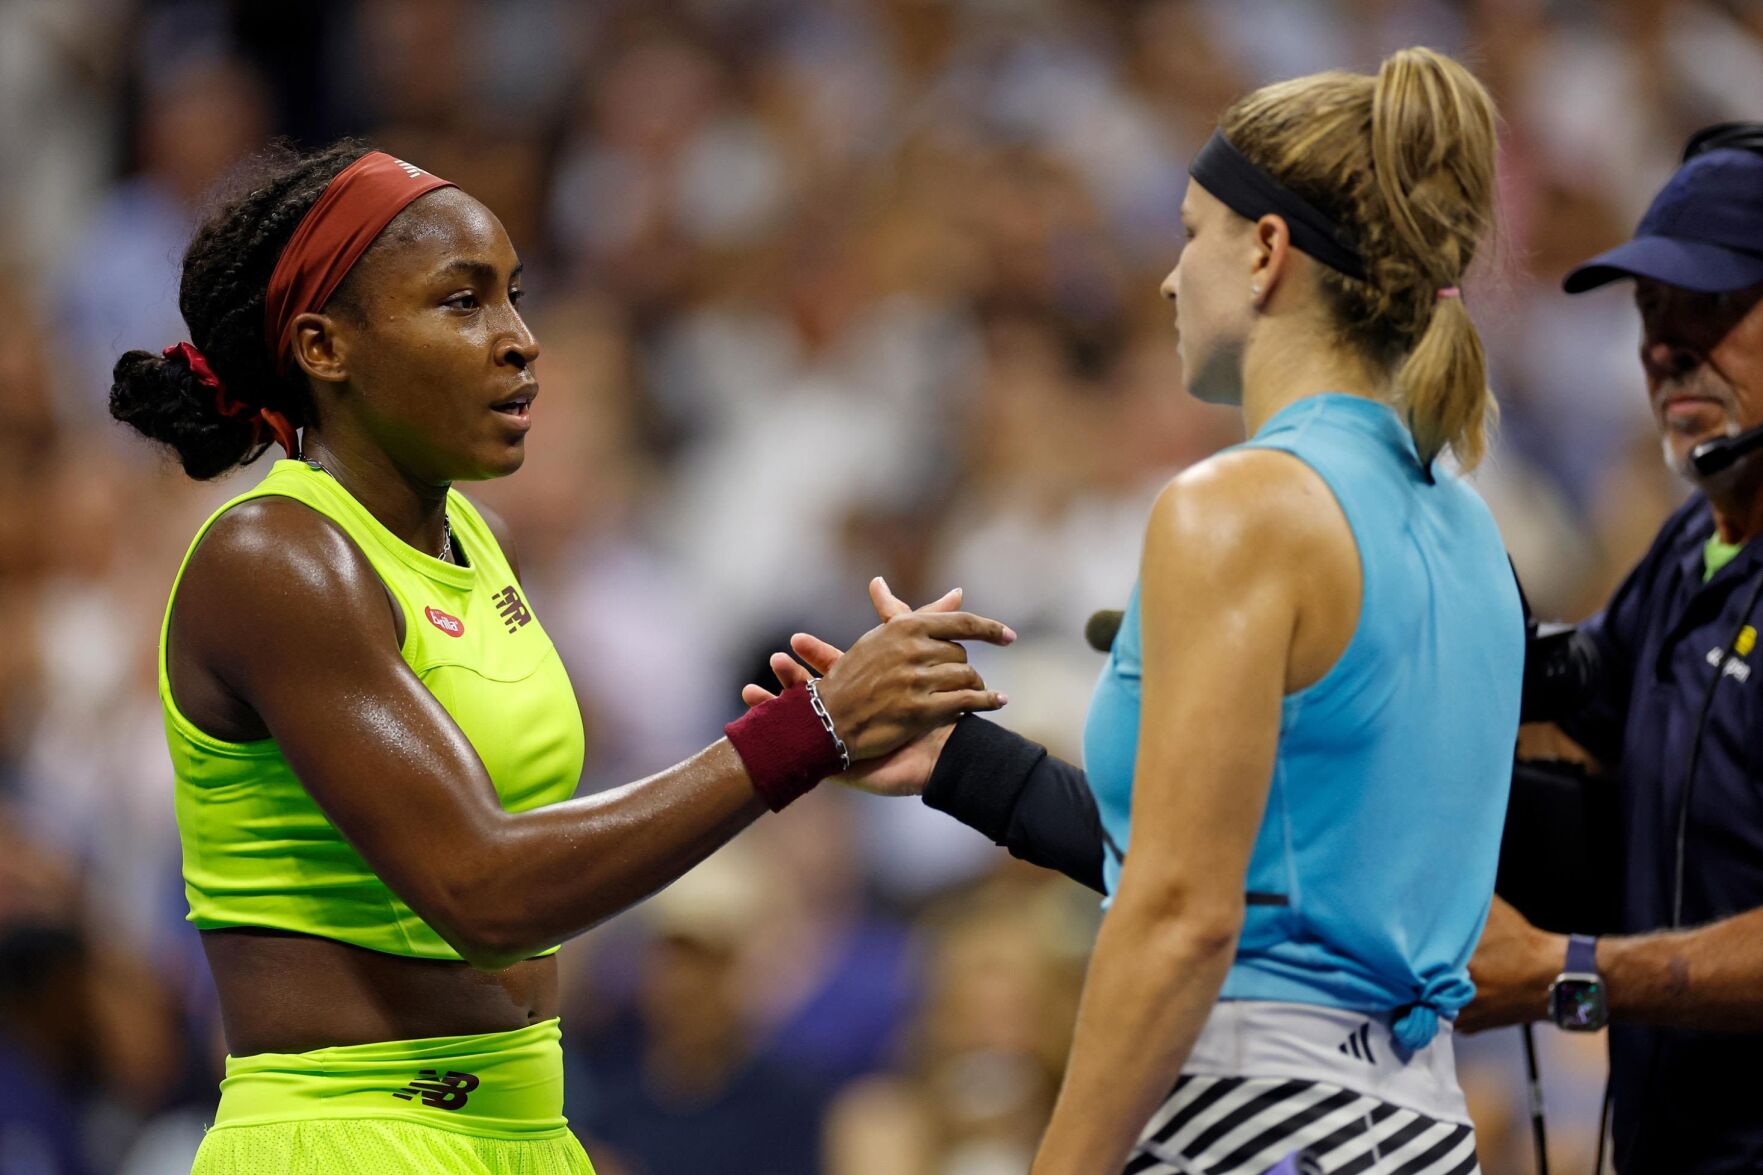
(1576, 998)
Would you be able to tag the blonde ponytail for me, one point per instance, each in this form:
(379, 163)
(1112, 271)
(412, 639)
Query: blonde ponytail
(1444, 387)
(1405, 162)
(1432, 151)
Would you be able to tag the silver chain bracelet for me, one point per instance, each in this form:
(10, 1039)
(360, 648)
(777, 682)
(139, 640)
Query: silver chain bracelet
(826, 720)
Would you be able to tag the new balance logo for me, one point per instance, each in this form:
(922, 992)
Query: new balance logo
(512, 609)
(447, 1091)
(1359, 1044)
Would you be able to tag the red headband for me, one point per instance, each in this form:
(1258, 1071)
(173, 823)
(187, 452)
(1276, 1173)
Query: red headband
(354, 209)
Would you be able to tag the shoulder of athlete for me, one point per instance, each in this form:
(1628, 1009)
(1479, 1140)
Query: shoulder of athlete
(274, 580)
(1245, 517)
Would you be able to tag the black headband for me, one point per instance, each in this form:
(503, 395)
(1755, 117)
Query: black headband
(1250, 192)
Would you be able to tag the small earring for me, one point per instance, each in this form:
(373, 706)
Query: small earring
(1255, 291)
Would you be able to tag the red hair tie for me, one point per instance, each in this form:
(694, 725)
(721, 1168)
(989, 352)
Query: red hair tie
(278, 424)
(197, 362)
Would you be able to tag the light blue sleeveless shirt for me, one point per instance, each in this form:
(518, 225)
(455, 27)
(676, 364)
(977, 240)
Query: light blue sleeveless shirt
(1372, 873)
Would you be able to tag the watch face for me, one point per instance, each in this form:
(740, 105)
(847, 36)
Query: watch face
(1576, 1003)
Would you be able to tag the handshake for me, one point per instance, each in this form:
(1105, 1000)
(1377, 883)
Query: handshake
(892, 699)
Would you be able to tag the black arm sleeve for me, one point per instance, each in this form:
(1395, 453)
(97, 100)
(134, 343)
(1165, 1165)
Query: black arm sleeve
(1040, 808)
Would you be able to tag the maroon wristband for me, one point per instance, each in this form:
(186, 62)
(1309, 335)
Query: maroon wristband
(785, 748)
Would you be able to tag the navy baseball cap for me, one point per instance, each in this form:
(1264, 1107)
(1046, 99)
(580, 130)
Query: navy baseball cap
(1704, 232)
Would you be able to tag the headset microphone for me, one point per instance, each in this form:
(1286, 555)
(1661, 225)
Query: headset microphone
(1102, 627)
(1715, 456)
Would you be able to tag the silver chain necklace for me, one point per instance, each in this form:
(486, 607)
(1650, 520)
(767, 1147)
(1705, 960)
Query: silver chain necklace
(446, 555)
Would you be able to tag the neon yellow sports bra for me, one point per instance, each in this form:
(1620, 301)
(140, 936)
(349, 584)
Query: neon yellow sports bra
(257, 849)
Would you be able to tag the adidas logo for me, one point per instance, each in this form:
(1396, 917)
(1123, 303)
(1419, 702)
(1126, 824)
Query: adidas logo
(410, 169)
(1358, 1044)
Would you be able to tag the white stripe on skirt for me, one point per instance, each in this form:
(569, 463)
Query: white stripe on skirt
(1264, 1082)
(1244, 1126)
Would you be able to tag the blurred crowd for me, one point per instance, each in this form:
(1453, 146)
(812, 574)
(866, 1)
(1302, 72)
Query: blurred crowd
(825, 289)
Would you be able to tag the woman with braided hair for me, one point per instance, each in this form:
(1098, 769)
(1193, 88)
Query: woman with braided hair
(373, 739)
(1300, 747)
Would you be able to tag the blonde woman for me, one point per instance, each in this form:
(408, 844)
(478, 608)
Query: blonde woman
(1301, 744)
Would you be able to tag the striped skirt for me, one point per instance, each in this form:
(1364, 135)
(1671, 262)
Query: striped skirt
(1308, 1091)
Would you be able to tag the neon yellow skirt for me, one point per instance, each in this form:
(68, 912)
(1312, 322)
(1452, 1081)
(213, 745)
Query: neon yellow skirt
(490, 1104)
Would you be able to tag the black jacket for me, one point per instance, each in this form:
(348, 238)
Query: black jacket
(1685, 1102)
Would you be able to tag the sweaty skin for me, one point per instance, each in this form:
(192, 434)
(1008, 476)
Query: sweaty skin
(282, 629)
(1250, 591)
(1250, 587)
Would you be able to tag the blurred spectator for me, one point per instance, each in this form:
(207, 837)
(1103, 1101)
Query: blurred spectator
(679, 1087)
(45, 1049)
(60, 78)
(987, 1049)
(830, 980)
(90, 1043)
(117, 288)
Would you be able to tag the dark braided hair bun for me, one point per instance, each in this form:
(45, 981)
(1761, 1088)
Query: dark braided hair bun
(225, 276)
(160, 399)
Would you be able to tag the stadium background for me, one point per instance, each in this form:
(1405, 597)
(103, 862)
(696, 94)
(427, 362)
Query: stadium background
(825, 289)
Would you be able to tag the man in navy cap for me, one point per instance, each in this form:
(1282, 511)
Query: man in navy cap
(1676, 717)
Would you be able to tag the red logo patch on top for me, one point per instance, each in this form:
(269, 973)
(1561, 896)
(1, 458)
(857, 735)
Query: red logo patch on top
(451, 625)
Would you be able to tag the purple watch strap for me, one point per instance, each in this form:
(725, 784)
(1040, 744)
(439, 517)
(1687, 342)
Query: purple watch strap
(1582, 954)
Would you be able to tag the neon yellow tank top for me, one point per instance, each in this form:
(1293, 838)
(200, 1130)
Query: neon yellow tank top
(257, 849)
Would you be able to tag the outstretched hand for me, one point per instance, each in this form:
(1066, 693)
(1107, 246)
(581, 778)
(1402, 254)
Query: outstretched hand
(904, 771)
